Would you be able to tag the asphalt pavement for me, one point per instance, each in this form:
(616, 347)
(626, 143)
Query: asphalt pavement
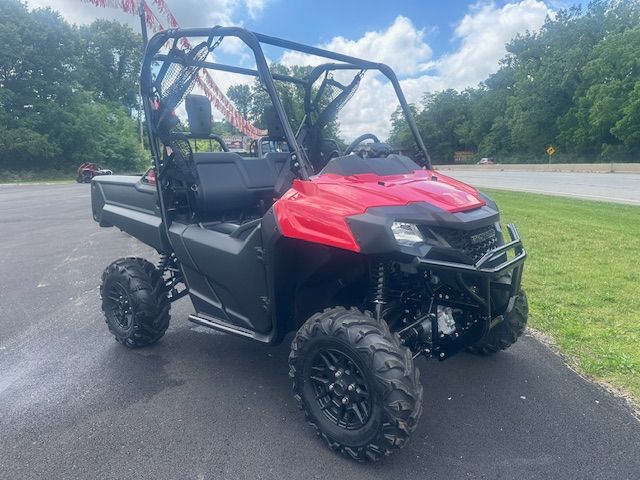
(74, 404)
(608, 187)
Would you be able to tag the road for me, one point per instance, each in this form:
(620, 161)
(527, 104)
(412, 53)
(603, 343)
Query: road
(200, 405)
(609, 187)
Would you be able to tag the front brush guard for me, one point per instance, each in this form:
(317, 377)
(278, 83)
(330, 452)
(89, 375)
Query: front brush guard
(486, 270)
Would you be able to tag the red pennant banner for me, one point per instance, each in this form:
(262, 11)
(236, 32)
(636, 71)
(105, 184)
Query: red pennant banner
(204, 81)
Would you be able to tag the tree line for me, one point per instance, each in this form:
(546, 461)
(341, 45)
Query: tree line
(68, 94)
(575, 85)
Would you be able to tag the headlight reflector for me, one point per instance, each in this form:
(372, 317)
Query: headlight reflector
(407, 234)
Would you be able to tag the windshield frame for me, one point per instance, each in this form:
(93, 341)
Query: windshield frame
(254, 41)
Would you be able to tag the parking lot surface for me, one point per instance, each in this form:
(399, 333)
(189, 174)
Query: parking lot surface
(203, 405)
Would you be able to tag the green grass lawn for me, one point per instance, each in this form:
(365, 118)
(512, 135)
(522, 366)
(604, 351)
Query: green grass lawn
(582, 277)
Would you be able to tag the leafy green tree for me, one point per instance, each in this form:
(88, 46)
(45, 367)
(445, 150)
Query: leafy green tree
(101, 133)
(574, 84)
(240, 95)
(66, 93)
(110, 62)
(21, 146)
(604, 110)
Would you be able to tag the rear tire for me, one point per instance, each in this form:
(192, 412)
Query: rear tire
(135, 302)
(378, 379)
(507, 332)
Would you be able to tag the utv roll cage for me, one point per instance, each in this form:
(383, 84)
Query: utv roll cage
(300, 160)
(369, 259)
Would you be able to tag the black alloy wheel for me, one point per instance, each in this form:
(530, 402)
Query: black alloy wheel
(340, 388)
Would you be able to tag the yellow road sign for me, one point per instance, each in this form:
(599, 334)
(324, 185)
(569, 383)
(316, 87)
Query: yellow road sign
(550, 150)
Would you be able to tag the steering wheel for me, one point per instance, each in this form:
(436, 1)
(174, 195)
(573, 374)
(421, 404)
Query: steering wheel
(359, 140)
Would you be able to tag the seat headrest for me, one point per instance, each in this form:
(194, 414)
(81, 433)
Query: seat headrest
(274, 126)
(199, 115)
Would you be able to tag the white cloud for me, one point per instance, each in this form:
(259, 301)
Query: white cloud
(483, 33)
(189, 13)
(255, 7)
(400, 46)
(481, 36)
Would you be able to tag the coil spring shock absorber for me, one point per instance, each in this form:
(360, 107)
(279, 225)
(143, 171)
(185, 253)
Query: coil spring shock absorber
(165, 261)
(378, 279)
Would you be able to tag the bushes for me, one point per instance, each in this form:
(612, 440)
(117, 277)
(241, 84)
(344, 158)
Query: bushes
(575, 84)
(67, 94)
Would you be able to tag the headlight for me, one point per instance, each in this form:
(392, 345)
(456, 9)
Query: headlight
(407, 234)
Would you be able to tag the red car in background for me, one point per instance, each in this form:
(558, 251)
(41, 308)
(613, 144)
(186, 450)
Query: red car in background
(87, 171)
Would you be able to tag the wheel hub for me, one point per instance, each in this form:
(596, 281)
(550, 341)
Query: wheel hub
(121, 309)
(341, 389)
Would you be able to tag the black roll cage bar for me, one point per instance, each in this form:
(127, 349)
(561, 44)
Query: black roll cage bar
(300, 163)
(254, 40)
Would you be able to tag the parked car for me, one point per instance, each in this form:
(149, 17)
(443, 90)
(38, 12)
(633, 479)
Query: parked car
(87, 171)
(486, 161)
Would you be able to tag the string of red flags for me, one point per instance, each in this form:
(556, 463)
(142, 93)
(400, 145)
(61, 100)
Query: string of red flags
(206, 83)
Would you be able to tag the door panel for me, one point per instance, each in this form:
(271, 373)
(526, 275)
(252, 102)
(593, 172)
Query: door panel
(230, 269)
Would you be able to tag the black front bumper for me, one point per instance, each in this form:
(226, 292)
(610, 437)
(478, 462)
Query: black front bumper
(494, 265)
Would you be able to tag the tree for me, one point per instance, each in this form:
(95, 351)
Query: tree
(574, 84)
(102, 133)
(604, 110)
(20, 146)
(110, 62)
(66, 93)
(240, 95)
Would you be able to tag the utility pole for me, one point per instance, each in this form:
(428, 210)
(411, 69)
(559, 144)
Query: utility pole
(143, 29)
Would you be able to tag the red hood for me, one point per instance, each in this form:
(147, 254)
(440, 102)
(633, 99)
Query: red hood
(360, 192)
(316, 210)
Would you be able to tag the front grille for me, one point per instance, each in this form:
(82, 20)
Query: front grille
(474, 243)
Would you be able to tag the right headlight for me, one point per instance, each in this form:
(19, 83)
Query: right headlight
(407, 234)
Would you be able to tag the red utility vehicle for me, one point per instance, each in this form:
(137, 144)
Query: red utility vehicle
(368, 258)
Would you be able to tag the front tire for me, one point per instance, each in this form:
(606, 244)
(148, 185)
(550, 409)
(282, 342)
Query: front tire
(356, 383)
(135, 302)
(507, 332)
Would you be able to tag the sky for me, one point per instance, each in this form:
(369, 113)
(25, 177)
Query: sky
(432, 45)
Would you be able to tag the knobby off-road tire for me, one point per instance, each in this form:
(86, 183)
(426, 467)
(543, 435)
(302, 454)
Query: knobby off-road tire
(135, 302)
(387, 383)
(507, 332)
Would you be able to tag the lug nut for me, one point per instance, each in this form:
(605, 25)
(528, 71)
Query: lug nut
(338, 373)
(345, 400)
(442, 355)
(331, 387)
(351, 387)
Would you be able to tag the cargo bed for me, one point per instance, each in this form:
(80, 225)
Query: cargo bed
(129, 203)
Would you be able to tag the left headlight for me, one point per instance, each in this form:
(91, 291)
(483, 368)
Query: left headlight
(407, 234)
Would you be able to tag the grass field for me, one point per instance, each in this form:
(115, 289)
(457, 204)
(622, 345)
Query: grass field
(583, 280)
